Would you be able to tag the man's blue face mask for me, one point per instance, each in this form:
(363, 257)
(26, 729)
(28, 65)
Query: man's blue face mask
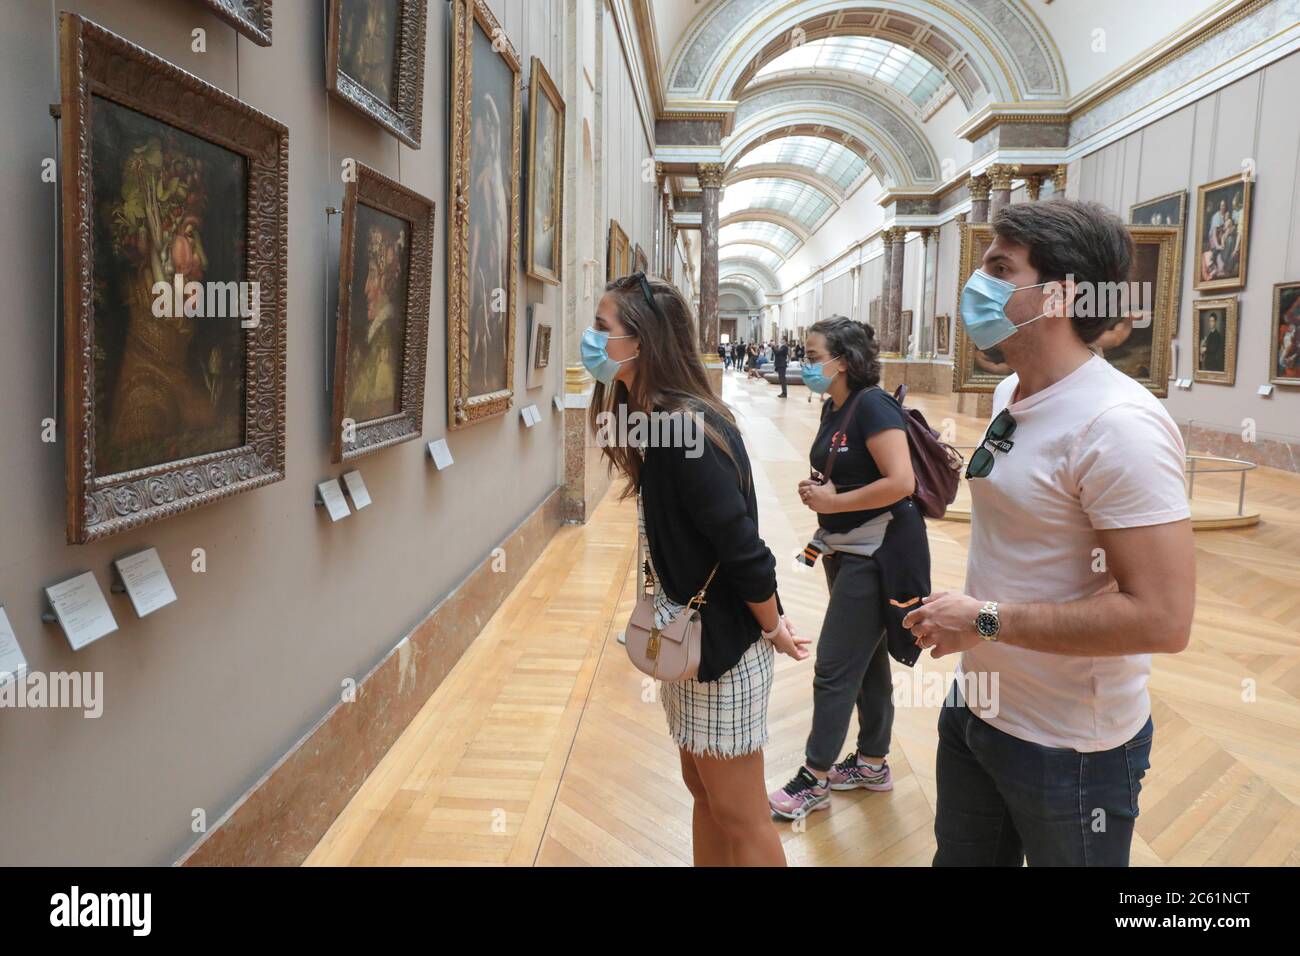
(984, 309)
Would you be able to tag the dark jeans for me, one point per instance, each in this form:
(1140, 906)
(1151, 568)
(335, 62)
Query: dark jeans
(852, 665)
(1003, 800)
(780, 377)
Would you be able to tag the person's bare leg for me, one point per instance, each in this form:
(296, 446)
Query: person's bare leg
(737, 796)
(709, 846)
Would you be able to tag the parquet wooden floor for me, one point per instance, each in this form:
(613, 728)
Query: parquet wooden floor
(545, 746)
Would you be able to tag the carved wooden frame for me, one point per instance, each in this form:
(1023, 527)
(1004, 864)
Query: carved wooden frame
(95, 61)
(540, 83)
(463, 408)
(618, 262)
(405, 119)
(252, 18)
(1231, 328)
(1274, 331)
(1248, 188)
(372, 188)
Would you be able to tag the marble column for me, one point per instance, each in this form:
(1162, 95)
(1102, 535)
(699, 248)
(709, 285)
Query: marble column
(1000, 175)
(979, 198)
(710, 175)
(886, 273)
(925, 338)
(893, 344)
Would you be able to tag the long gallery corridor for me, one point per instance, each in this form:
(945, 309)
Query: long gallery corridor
(544, 748)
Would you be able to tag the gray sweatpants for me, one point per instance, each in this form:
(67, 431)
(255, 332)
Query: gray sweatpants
(852, 664)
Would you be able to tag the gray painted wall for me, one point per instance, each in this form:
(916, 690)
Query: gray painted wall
(203, 697)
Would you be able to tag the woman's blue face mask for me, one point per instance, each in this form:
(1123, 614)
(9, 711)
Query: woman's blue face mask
(984, 309)
(815, 378)
(595, 357)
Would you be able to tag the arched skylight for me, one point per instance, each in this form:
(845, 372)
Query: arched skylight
(801, 202)
(740, 250)
(826, 157)
(755, 230)
(910, 73)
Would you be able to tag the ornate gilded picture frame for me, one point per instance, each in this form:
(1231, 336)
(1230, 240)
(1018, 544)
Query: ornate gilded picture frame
(374, 61)
(252, 18)
(382, 334)
(545, 259)
(1222, 233)
(170, 401)
(484, 228)
(973, 370)
(619, 260)
(1284, 338)
(1214, 340)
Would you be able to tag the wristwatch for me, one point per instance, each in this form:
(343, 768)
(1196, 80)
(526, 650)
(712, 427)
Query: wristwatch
(987, 622)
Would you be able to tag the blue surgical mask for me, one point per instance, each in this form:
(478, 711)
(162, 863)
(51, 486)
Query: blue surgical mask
(984, 309)
(596, 360)
(814, 379)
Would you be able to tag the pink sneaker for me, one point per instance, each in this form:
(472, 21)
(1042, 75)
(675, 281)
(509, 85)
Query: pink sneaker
(848, 774)
(800, 796)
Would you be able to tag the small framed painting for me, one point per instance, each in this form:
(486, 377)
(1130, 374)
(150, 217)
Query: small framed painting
(539, 345)
(252, 18)
(374, 61)
(942, 325)
(545, 176)
(1214, 340)
(620, 253)
(1222, 233)
(382, 333)
(1284, 360)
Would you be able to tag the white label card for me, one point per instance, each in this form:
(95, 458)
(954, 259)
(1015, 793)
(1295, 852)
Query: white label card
(1266, 390)
(441, 454)
(357, 489)
(332, 494)
(559, 404)
(13, 666)
(531, 415)
(146, 581)
(81, 609)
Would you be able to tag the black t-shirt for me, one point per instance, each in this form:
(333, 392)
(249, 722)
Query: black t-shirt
(854, 467)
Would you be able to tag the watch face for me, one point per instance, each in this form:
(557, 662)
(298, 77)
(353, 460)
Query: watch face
(986, 624)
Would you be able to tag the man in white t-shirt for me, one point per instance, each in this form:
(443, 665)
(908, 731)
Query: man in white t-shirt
(1081, 563)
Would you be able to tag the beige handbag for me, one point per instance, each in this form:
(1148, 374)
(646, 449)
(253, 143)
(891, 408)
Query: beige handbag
(672, 653)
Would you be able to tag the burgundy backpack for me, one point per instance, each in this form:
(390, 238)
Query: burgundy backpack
(936, 464)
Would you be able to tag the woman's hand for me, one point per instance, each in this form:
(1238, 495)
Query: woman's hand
(788, 643)
(820, 498)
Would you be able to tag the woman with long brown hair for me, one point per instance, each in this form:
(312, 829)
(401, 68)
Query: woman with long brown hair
(697, 512)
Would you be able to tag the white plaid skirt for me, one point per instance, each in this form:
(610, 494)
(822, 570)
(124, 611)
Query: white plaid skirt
(727, 717)
(723, 718)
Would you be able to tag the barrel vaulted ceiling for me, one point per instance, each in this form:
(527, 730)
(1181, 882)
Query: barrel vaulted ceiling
(830, 95)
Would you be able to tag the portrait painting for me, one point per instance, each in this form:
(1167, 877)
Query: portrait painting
(539, 345)
(545, 176)
(252, 18)
(375, 61)
(483, 250)
(1222, 233)
(381, 337)
(1138, 344)
(1214, 340)
(942, 340)
(1284, 360)
(173, 339)
(974, 370)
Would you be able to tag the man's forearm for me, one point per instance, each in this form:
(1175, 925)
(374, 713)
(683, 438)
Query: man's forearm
(1103, 625)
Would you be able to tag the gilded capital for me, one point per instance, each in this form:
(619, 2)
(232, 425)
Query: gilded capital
(1058, 179)
(711, 174)
(1033, 185)
(979, 187)
(1000, 175)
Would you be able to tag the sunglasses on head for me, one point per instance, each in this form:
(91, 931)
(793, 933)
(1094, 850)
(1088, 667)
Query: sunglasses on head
(644, 283)
(999, 436)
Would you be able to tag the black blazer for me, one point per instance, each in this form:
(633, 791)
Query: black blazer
(700, 512)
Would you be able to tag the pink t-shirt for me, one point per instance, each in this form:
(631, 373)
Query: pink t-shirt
(1091, 452)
